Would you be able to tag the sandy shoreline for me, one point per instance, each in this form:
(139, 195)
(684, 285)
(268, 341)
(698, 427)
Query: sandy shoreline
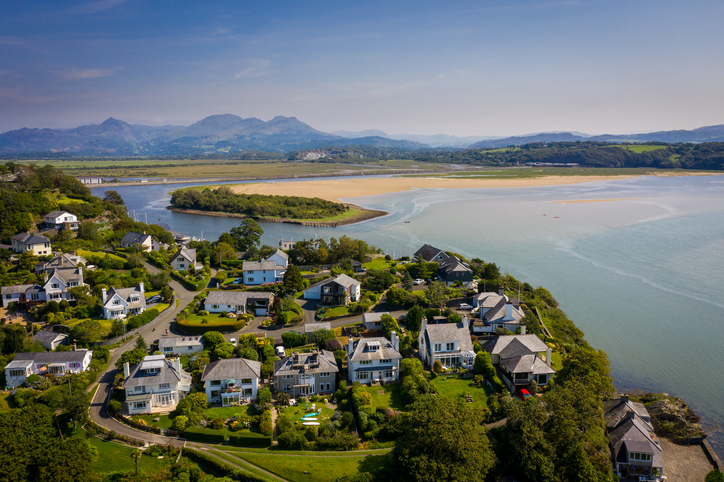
(334, 190)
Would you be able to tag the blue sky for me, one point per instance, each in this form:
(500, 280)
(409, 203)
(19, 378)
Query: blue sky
(459, 68)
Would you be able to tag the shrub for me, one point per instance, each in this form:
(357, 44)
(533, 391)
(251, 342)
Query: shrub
(265, 423)
(292, 440)
(114, 407)
(250, 440)
(179, 423)
(197, 434)
(216, 424)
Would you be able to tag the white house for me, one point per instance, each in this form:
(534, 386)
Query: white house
(50, 339)
(373, 321)
(231, 380)
(280, 258)
(142, 241)
(90, 179)
(55, 287)
(61, 261)
(303, 374)
(340, 290)
(181, 345)
(40, 363)
(447, 342)
(39, 245)
(61, 220)
(184, 259)
(262, 272)
(156, 384)
(372, 359)
(120, 302)
(496, 310)
(257, 302)
(521, 360)
(24, 295)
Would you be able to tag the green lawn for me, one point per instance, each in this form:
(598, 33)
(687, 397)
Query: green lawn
(318, 469)
(295, 414)
(336, 312)
(378, 263)
(457, 387)
(212, 318)
(392, 397)
(116, 457)
(228, 412)
(164, 422)
(557, 360)
(6, 402)
(85, 253)
(639, 148)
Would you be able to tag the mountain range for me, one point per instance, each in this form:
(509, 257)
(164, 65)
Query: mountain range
(227, 133)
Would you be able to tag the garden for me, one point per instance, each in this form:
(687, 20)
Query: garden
(457, 387)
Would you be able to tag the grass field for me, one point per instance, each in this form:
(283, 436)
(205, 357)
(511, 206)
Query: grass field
(116, 457)
(85, 253)
(392, 397)
(319, 468)
(639, 148)
(378, 263)
(6, 402)
(457, 388)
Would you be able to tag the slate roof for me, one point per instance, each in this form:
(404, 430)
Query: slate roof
(531, 342)
(188, 254)
(448, 332)
(497, 313)
(386, 351)
(173, 341)
(125, 294)
(48, 336)
(166, 374)
(260, 265)
(62, 261)
(46, 357)
(488, 299)
(236, 297)
(341, 279)
(30, 239)
(616, 410)
(55, 214)
(234, 368)
(281, 253)
(315, 362)
(132, 237)
(374, 317)
(66, 275)
(430, 253)
(631, 435)
(312, 327)
(453, 264)
(15, 289)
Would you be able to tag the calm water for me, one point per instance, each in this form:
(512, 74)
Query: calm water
(641, 277)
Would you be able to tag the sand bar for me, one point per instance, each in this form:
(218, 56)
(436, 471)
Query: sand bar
(336, 189)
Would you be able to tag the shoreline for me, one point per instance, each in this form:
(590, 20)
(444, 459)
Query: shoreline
(363, 215)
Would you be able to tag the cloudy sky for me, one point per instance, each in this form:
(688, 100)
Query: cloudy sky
(461, 67)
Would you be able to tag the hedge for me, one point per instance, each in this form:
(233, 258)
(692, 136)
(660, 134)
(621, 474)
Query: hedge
(191, 285)
(194, 329)
(208, 435)
(250, 440)
(142, 319)
(232, 263)
(216, 467)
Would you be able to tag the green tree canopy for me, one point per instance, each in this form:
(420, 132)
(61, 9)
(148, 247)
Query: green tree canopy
(212, 339)
(246, 235)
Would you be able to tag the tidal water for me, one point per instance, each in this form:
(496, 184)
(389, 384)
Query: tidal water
(641, 276)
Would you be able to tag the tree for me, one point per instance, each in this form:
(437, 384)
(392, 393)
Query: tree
(88, 230)
(714, 476)
(159, 280)
(166, 293)
(87, 331)
(246, 235)
(591, 368)
(320, 337)
(413, 319)
(224, 350)
(76, 406)
(194, 403)
(389, 324)
(437, 367)
(407, 282)
(291, 339)
(222, 251)
(264, 396)
(114, 198)
(437, 294)
(249, 354)
(292, 280)
(141, 343)
(133, 357)
(212, 339)
(443, 440)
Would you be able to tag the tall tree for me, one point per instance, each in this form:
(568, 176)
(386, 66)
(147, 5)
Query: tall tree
(437, 294)
(246, 235)
(293, 280)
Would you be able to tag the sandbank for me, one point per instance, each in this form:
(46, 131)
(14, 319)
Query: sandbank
(336, 189)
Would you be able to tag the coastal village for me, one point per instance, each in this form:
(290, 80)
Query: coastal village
(199, 351)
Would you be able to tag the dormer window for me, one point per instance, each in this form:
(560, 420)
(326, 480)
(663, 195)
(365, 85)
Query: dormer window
(151, 371)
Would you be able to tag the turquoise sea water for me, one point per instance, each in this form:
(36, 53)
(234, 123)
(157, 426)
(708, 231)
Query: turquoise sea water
(641, 277)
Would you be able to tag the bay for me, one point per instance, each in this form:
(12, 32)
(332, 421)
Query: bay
(642, 276)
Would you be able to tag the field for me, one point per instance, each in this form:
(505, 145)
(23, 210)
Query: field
(220, 168)
(116, 457)
(392, 397)
(308, 466)
(102, 254)
(639, 148)
(6, 402)
(456, 388)
(212, 318)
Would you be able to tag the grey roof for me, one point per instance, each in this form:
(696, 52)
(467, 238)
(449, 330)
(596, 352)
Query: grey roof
(633, 436)
(132, 237)
(19, 364)
(341, 279)
(232, 368)
(315, 362)
(527, 364)
(361, 351)
(240, 298)
(617, 409)
(173, 341)
(45, 357)
(66, 275)
(531, 342)
(30, 239)
(374, 317)
(453, 264)
(312, 327)
(125, 294)
(497, 314)
(430, 253)
(260, 265)
(187, 253)
(48, 336)
(15, 289)
(166, 374)
(55, 214)
(488, 299)
(447, 332)
(62, 261)
(280, 253)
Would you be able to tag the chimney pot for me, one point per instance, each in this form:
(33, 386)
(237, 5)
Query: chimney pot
(126, 370)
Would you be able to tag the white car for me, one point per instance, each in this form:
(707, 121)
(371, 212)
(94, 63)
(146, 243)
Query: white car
(281, 352)
(232, 341)
(419, 281)
(465, 306)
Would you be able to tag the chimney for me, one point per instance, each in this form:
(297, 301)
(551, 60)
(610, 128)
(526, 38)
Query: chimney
(350, 346)
(624, 398)
(395, 341)
(423, 327)
(103, 295)
(75, 347)
(509, 310)
(126, 370)
(177, 364)
(522, 331)
(501, 290)
(549, 357)
(140, 286)
(466, 325)
(630, 415)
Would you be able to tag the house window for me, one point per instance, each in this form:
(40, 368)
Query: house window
(139, 405)
(521, 376)
(324, 374)
(246, 381)
(287, 388)
(288, 377)
(364, 375)
(168, 349)
(151, 371)
(16, 373)
(215, 383)
(639, 456)
(54, 286)
(450, 346)
(387, 374)
(438, 346)
(251, 280)
(386, 360)
(138, 390)
(164, 385)
(365, 362)
(116, 302)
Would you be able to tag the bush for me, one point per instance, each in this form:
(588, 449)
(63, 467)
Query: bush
(197, 434)
(216, 424)
(142, 319)
(265, 423)
(179, 423)
(291, 339)
(114, 407)
(250, 440)
(292, 440)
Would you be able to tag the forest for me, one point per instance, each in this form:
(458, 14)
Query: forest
(223, 199)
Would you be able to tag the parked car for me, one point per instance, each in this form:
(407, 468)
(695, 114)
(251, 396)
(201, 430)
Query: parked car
(232, 341)
(524, 394)
(465, 306)
(419, 281)
(281, 353)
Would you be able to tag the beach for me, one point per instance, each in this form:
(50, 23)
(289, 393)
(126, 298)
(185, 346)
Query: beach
(336, 189)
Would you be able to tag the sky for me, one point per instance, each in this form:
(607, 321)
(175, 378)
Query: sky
(465, 68)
